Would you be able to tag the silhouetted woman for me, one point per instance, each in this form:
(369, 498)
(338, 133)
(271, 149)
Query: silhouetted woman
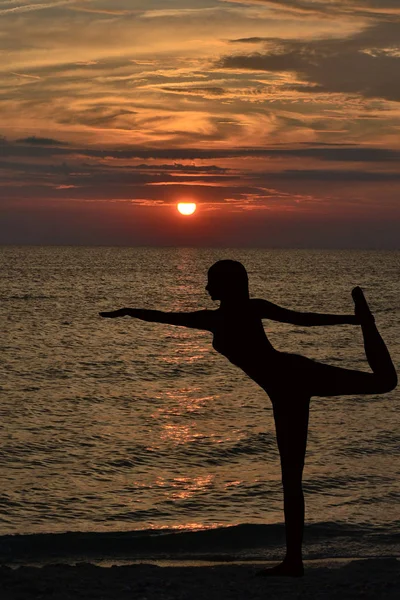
(289, 379)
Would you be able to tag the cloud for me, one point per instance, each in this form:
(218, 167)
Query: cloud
(331, 152)
(251, 40)
(347, 8)
(39, 141)
(25, 76)
(127, 104)
(50, 172)
(337, 175)
(22, 8)
(112, 79)
(365, 63)
(180, 13)
(205, 91)
(101, 116)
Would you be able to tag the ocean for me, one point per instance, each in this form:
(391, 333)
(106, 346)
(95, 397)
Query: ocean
(120, 432)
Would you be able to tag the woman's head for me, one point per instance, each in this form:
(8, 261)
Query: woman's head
(227, 280)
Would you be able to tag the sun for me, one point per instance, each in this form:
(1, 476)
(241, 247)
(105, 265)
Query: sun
(186, 208)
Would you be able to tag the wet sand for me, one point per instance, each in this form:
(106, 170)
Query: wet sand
(369, 579)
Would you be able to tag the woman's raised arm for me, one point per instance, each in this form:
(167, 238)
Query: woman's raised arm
(201, 319)
(268, 310)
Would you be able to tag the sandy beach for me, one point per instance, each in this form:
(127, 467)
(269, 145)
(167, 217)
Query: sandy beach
(370, 579)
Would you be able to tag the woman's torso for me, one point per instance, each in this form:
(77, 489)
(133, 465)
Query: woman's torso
(239, 336)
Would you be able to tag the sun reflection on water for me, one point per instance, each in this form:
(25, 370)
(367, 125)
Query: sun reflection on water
(190, 486)
(180, 434)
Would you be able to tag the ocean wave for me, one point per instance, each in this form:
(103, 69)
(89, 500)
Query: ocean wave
(27, 297)
(243, 541)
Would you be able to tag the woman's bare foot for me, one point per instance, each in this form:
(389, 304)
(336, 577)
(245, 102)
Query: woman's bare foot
(361, 308)
(284, 569)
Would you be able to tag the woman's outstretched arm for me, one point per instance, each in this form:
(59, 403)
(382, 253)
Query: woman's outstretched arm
(201, 319)
(268, 310)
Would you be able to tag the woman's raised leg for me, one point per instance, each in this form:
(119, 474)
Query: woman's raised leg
(326, 380)
(375, 348)
(291, 422)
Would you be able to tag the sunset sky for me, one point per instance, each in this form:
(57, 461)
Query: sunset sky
(280, 119)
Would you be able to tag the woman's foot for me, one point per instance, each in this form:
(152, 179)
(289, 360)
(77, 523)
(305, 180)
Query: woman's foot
(284, 569)
(361, 307)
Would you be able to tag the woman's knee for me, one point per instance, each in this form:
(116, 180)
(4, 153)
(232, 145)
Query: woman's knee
(391, 382)
(386, 383)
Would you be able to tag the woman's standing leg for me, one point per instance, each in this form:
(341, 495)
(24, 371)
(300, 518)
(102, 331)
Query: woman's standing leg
(291, 421)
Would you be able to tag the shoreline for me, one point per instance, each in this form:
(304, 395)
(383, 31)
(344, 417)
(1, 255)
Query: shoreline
(190, 562)
(325, 579)
(237, 543)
